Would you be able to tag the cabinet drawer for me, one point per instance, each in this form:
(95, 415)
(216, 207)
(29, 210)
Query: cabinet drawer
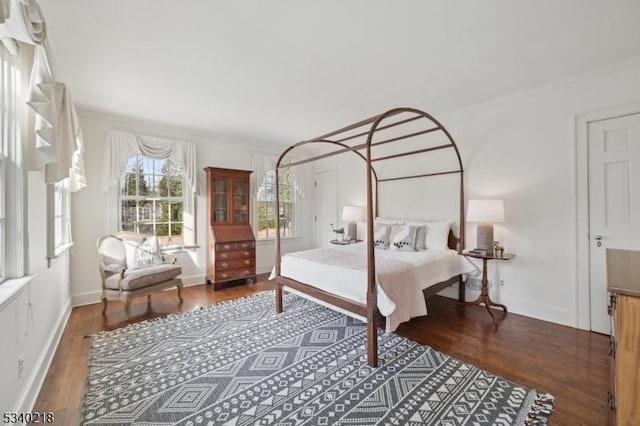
(240, 245)
(235, 274)
(226, 255)
(234, 263)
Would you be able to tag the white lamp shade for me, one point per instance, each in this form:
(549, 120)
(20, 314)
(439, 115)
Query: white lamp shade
(485, 211)
(352, 214)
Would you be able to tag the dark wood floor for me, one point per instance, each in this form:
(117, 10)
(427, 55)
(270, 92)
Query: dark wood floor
(568, 363)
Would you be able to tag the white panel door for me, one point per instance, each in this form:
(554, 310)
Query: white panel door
(326, 207)
(614, 202)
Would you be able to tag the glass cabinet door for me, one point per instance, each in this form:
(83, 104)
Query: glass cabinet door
(240, 201)
(220, 200)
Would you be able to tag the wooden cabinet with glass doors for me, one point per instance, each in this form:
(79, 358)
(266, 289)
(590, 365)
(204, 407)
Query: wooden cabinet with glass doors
(231, 252)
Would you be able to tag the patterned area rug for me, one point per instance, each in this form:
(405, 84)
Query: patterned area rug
(237, 363)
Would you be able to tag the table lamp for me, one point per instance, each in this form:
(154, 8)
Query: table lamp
(352, 214)
(486, 213)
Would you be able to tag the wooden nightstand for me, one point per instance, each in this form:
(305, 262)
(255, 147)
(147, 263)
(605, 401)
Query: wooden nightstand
(484, 296)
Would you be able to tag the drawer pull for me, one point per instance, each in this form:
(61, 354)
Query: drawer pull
(247, 272)
(225, 265)
(247, 253)
(224, 256)
(225, 276)
(245, 245)
(247, 262)
(227, 246)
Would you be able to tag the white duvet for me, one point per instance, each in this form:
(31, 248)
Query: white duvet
(399, 298)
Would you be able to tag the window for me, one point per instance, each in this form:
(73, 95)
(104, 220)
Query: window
(151, 199)
(12, 176)
(58, 218)
(61, 216)
(3, 219)
(265, 201)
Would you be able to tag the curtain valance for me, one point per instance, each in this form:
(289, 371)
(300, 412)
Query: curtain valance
(120, 146)
(264, 163)
(56, 143)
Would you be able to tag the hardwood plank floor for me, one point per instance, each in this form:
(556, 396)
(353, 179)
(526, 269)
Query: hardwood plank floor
(571, 364)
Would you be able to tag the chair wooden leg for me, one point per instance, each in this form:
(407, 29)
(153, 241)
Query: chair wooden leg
(180, 292)
(104, 304)
(127, 307)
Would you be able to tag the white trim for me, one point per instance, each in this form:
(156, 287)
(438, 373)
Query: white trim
(93, 297)
(583, 298)
(163, 130)
(12, 287)
(461, 114)
(33, 385)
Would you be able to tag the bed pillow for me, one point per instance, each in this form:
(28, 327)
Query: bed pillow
(381, 236)
(421, 234)
(141, 255)
(387, 221)
(438, 235)
(421, 237)
(405, 238)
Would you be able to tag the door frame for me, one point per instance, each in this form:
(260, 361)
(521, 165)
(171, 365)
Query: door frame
(583, 297)
(335, 188)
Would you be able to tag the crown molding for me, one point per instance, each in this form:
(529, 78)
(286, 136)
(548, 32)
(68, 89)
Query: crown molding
(459, 115)
(161, 129)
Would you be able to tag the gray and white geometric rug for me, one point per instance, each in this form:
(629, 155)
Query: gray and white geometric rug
(238, 363)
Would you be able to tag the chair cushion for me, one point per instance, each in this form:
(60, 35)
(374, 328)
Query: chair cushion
(144, 277)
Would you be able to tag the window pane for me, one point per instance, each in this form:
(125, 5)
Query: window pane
(266, 221)
(128, 211)
(152, 187)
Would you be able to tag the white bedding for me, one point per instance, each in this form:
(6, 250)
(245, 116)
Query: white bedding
(402, 301)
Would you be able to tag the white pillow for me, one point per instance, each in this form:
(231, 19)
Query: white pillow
(381, 236)
(387, 221)
(141, 255)
(438, 235)
(405, 238)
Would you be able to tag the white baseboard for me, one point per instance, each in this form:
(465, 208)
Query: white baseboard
(93, 297)
(522, 307)
(33, 385)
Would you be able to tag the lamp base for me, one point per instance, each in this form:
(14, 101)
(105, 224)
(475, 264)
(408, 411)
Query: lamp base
(352, 231)
(485, 236)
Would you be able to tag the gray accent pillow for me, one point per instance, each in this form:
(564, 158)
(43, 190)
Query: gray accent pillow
(421, 237)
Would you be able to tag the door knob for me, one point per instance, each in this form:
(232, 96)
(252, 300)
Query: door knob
(598, 238)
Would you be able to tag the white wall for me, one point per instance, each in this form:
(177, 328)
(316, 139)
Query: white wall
(520, 148)
(90, 206)
(32, 320)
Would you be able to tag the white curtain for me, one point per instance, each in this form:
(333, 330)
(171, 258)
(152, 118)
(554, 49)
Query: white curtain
(57, 143)
(120, 146)
(264, 163)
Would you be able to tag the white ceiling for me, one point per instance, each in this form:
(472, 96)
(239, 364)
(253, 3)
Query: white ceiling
(285, 70)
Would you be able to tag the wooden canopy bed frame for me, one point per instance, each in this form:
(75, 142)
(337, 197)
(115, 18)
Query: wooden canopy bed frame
(402, 122)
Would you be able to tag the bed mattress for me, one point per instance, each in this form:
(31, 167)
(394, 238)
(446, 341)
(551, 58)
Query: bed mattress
(399, 300)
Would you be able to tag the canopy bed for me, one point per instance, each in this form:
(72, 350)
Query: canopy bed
(384, 142)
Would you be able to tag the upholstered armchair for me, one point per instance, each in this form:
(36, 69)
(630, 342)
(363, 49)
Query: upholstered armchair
(131, 266)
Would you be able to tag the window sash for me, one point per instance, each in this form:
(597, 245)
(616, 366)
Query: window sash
(266, 211)
(3, 219)
(150, 212)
